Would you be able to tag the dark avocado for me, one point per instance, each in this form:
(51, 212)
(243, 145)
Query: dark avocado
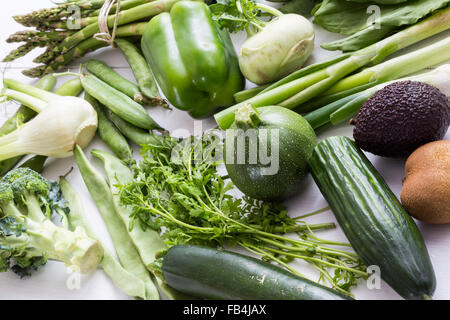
(401, 117)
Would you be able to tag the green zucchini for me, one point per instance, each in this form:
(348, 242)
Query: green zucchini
(217, 274)
(279, 132)
(379, 229)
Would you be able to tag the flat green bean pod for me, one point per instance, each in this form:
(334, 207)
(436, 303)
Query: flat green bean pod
(126, 281)
(147, 241)
(126, 251)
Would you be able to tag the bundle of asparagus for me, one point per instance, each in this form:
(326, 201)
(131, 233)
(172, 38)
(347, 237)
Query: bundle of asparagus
(67, 30)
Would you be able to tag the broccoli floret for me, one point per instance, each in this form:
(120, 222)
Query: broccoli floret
(28, 236)
(6, 193)
(14, 253)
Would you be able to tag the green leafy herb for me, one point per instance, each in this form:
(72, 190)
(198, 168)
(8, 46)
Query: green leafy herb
(177, 189)
(235, 15)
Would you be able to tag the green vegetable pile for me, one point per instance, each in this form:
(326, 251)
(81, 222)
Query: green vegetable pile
(188, 201)
(171, 215)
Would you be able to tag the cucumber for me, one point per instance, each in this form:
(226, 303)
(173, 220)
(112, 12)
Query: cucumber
(377, 226)
(217, 274)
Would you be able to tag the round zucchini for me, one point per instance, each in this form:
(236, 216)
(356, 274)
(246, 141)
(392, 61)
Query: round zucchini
(372, 218)
(289, 139)
(217, 274)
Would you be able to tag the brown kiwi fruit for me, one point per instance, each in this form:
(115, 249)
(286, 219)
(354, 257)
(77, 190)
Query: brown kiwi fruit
(426, 188)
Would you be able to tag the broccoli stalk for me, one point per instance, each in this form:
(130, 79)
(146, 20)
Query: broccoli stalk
(28, 236)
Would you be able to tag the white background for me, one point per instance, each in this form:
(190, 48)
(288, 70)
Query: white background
(50, 282)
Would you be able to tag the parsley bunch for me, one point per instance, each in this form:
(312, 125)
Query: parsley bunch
(242, 15)
(178, 191)
(235, 15)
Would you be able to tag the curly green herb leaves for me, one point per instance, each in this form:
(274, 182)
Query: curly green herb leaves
(178, 190)
(235, 15)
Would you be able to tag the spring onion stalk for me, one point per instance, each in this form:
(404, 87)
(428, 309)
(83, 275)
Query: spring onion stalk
(321, 116)
(390, 70)
(303, 89)
(61, 123)
(345, 108)
(306, 70)
(248, 93)
(400, 66)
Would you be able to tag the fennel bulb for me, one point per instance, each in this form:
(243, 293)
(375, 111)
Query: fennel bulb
(61, 123)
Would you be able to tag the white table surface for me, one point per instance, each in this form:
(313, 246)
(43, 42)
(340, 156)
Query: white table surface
(51, 281)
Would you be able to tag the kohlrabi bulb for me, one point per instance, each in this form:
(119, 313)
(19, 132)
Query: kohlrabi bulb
(280, 48)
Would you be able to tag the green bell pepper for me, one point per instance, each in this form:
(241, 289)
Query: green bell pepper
(193, 60)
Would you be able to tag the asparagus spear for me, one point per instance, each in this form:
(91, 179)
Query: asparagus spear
(127, 16)
(84, 48)
(81, 50)
(55, 13)
(51, 19)
(22, 51)
(38, 36)
(124, 5)
(63, 24)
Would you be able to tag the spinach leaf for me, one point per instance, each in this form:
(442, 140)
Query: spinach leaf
(301, 7)
(356, 19)
(380, 1)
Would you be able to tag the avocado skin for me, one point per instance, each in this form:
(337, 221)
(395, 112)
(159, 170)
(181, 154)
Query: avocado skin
(401, 117)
